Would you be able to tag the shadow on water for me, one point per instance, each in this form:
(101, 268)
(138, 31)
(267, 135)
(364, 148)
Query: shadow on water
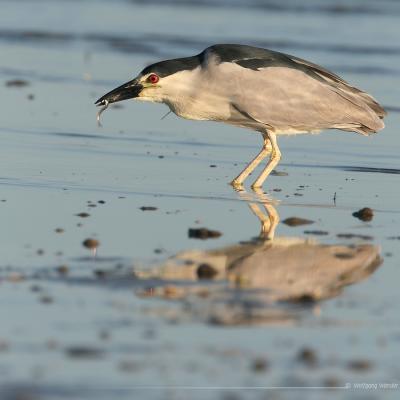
(268, 279)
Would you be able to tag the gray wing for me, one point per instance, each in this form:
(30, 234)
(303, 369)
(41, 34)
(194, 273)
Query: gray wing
(289, 93)
(341, 85)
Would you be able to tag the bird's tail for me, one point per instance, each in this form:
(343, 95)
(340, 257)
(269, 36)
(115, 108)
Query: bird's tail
(370, 115)
(368, 130)
(372, 103)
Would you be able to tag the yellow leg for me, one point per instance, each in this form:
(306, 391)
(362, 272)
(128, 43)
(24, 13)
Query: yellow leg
(273, 219)
(237, 182)
(272, 163)
(269, 221)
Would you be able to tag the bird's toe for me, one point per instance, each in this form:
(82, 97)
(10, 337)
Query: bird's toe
(256, 186)
(236, 184)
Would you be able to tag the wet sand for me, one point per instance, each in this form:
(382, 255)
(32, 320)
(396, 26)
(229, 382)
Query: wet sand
(130, 268)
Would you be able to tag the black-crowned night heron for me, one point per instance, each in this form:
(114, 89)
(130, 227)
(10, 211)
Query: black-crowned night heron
(263, 90)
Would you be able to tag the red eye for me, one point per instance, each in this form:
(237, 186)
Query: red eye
(153, 78)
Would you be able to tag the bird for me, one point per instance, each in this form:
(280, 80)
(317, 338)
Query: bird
(266, 91)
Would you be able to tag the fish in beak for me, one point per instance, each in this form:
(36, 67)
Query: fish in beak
(128, 90)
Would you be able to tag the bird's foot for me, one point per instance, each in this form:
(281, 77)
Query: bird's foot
(236, 185)
(256, 186)
(258, 191)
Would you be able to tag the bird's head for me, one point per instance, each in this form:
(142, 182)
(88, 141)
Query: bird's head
(160, 82)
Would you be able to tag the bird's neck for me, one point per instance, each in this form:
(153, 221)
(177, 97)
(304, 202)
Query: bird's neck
(182, 91)
(192, 97)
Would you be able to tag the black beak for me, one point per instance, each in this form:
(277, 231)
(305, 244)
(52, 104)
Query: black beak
(126, 91)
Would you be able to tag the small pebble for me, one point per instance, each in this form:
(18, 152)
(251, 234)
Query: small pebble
(83, 215)
(51, 344)
(62, 270)
(84, 352)
(91, 243)
(206, 271)
(171, 292)
(354, 236)
(359, 365)
(365, 214)
(4, 346)
(104, 335)
(128, 366)
(259, 365)
(307, 356)
(306, 299)
(331, 382)
(279, 173)
(99, 273)
(45, 299)
(296, 221)
(17, 83)
(317, 233)
(203, 233)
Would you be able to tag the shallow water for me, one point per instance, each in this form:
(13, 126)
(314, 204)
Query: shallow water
(115, 323)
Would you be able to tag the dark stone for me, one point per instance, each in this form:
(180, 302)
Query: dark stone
(365, 214)
(83, 215)
(91, 243)
(206, 271)
(308, 357)
(17, 83)
(203, 233)
(84, 352)
(354, 236)
(99, 273)
(317, 233)
(296, 221)
(62, 270)
(359, 365)
(259, 365)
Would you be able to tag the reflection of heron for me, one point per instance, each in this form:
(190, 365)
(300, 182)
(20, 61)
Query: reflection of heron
(285, 269)
(270, 219)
